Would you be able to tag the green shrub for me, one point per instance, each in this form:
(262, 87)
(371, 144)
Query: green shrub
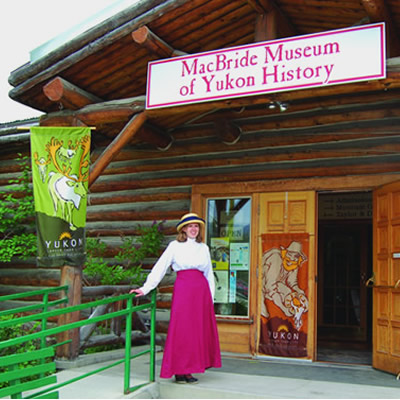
(17, 216)
(130, 257)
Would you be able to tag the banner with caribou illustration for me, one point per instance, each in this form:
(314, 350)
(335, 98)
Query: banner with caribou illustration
(60, 173)
(284, 301)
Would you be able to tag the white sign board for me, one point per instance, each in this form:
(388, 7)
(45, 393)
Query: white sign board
(321, 59)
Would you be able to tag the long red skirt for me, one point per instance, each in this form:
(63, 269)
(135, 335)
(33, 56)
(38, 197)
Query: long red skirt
(192, 343)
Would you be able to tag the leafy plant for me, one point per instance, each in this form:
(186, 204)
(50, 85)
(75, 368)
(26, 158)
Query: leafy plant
(17, 216)
(130, 257)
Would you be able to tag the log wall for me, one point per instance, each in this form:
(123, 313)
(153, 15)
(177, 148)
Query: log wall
(338, 138)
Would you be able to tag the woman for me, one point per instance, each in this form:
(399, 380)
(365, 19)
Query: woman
(192, 343)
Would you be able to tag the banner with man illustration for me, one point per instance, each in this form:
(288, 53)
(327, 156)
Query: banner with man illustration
(60, 174)
(284, 305)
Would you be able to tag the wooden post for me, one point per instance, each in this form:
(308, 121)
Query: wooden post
(71, 276)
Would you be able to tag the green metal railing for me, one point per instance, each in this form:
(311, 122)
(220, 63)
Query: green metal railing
(46, 313)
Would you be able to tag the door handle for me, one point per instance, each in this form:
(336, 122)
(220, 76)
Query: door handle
(396, 286)
(371, 281)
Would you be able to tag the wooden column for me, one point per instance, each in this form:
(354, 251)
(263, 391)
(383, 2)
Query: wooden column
(72, 277)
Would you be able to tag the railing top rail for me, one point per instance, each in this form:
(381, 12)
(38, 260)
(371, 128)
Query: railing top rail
(33, 293)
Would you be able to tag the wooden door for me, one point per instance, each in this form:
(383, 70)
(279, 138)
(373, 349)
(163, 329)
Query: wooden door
(386, 279)
(287, 274)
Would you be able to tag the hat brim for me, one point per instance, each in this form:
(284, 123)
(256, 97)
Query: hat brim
(189, 220)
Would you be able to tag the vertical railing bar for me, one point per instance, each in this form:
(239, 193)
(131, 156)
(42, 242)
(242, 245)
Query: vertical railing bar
(44, 319)
(153, 336)
(128, 345)
(45, 302)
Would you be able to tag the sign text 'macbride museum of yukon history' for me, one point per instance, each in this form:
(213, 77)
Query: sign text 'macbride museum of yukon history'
(329, 58)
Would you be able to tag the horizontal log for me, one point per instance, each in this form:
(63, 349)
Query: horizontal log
(334, 147)
(366, 165)
(97, 114)
(30, 277)
(70, 96)
(132, 215)
(146, 38)
(163, 194)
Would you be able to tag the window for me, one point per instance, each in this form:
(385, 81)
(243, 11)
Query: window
(228, 236)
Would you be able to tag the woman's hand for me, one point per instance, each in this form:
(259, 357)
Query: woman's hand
(138, 292)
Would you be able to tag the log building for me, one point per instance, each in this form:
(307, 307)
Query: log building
(317, 167)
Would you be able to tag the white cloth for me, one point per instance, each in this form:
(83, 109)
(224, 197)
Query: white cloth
(182, 256)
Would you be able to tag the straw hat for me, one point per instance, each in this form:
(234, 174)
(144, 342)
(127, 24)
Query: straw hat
(190, 218)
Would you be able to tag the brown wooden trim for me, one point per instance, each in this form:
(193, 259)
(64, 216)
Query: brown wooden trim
(235, 320)
(362, 182)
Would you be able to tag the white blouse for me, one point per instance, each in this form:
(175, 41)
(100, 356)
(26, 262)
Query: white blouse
(182, 256)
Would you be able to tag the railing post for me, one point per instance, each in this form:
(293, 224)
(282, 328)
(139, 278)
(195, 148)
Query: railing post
(128, 345)
(153, 336)
(44, 319)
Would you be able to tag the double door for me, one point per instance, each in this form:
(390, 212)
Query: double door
(288, 276)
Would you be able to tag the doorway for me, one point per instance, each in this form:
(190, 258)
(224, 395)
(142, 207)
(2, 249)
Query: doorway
(344, 308)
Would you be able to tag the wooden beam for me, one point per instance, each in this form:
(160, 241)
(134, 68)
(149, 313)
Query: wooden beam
(70, 96)
(129, 131)
(266, 27)
(283, 26)
(97, 114)
(227, 131)
(154, 135)
(146, 38)
(378, 11)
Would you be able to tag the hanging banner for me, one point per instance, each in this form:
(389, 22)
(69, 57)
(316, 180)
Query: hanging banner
(321, 59)
(284, 306)
(60, 173)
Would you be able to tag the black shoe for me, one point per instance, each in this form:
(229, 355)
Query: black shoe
(180, 379)
(191, 379)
